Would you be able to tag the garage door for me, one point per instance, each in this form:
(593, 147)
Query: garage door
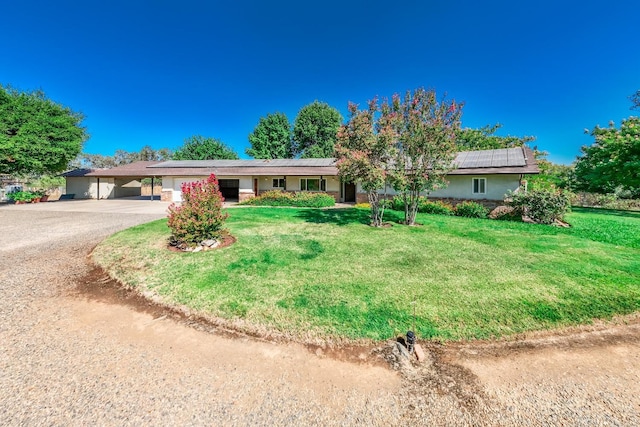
(229, 188)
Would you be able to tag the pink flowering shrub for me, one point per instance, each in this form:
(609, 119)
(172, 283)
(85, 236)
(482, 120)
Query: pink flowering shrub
(200, 216)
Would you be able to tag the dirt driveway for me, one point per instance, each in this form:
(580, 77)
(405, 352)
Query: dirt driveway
(74, 351)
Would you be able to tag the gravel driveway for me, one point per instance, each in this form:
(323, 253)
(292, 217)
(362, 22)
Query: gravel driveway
(71, 357)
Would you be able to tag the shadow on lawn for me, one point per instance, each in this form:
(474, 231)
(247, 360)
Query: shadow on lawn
(604, 211)
(335, 216)
(345, 216)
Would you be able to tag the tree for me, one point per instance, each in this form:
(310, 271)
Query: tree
(635, 100)
(363, 150)
(426, 147)
(484, 138)
(271, 138)
(123, 157)
(37, 135)
(612, 162)
(314, 130)
(204, 148)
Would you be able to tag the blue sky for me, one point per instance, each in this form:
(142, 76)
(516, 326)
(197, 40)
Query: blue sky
(156, 72)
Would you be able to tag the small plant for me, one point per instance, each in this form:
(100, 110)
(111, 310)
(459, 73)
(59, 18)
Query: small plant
(471, 210)
(544, 206)
(200, 216)
(286, 198)
(22, 196)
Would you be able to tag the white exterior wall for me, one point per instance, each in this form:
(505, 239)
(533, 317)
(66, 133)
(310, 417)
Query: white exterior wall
(461, 187)
(333, 182)
(87, 187)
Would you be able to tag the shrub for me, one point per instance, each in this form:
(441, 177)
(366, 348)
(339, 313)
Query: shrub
(437, 207)
(200, 216)
(22, 196)
(471, 210)
(607, 201)
(285, 198)
(368, 205)
(543, 205)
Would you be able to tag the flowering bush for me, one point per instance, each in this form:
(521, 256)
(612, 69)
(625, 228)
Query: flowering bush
(543, 205)
(285, 198)
(200, 216)
(471, 210)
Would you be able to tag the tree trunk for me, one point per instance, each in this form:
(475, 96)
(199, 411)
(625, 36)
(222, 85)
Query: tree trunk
(376, 213)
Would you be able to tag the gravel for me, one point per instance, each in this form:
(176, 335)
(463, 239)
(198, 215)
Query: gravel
(71, 359)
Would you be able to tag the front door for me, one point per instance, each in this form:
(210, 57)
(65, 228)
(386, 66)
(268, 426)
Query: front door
(349, 193)
(255, 187)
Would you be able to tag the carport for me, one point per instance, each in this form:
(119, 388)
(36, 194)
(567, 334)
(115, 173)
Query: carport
(115, 183)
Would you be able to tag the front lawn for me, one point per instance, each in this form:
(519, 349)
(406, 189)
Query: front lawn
(325, 273)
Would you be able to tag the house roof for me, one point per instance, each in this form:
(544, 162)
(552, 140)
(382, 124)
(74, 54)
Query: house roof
(76, 173)
(501, 161)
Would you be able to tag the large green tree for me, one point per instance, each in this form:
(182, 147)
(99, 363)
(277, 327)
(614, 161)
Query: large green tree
(315, 129)
(365, 145)
(426, 128)
(122, 157)
(271, 138)
(37, 135)
(204, 148)
(613, 161)
(485, 138)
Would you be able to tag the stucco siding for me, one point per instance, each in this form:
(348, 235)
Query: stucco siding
(87, 187)
(461, 187)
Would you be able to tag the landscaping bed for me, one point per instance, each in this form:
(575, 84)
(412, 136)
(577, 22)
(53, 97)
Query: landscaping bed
(324, 274)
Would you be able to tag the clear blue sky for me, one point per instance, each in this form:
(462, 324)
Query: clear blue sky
(156, 72)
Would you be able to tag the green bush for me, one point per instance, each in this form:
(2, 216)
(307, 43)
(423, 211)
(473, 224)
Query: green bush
(285, 198)
(436, 207)
(424, 206)
(471, 210)
(542, 205)
(607, 201)
(200, 216)
(22, 196)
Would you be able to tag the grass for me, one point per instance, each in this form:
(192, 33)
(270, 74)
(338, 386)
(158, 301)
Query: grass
(325, 273)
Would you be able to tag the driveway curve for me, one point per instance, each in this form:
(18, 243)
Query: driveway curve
(72, 357)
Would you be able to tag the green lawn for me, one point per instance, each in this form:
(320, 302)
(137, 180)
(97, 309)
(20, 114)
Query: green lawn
(325, 273)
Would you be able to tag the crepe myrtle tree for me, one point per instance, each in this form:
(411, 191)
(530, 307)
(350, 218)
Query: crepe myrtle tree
(364, 145)
(426, 129)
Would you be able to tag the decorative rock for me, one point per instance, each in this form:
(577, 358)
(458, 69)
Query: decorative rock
(197, 248)
(419, 352)
(210, 243)
(403, 351)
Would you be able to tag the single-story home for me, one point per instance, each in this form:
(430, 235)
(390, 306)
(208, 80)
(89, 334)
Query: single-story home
(484, 176)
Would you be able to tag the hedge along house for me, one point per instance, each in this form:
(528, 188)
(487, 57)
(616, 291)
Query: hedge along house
(484, 176)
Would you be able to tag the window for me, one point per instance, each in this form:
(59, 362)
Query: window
(279, 183)
(313, 184)
(479, 186)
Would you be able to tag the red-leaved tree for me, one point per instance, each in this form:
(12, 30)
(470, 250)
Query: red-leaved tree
(426, 148)
(200, 216)
(363, 149)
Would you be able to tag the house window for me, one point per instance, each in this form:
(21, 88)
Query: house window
(479, 186)
(279, 183)
(313, 184)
